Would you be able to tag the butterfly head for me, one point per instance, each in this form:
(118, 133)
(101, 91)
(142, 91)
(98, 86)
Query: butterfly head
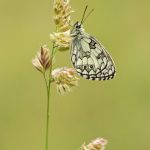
(77, 25)
(77, 29)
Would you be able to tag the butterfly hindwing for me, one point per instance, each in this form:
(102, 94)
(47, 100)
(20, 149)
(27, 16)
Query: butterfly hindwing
(91, 60)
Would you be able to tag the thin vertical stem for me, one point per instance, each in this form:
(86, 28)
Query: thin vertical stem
(48, 99)
(47, 117)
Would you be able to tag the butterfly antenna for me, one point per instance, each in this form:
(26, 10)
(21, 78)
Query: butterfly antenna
(84, 13)
(88, 15)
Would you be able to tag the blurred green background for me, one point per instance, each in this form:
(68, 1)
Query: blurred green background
(118, 110)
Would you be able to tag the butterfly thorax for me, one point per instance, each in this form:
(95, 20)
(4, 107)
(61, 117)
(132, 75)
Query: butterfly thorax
(77, 30)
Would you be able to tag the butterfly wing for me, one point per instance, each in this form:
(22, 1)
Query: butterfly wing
(91, 60)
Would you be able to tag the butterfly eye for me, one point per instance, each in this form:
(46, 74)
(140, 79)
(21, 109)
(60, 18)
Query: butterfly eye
(78, 26)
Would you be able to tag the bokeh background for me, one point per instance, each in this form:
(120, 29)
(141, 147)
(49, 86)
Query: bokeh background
(118, 110)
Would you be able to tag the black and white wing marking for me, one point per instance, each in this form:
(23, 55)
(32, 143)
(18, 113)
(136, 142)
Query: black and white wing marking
(91, 60)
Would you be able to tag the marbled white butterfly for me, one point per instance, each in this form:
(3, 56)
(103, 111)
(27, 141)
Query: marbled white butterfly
(88, 56)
